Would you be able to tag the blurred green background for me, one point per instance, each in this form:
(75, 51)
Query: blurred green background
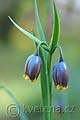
(16, 47)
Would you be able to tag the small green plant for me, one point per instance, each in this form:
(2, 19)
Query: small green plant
(40, 62)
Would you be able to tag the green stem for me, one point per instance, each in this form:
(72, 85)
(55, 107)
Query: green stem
(50, 87)
(46, 85)
(44, 89)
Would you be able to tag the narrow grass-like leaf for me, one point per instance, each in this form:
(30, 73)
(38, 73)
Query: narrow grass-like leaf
(25, 32)
(40, 30)
(36, 40)
(33, 33)
(56, 28)
(22, 115)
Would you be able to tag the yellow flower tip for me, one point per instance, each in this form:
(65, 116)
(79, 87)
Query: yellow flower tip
(26, 77)
(65, 88)
(59, 87)
(34, 80)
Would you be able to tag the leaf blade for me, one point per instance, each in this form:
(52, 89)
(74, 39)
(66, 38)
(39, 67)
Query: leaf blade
(56, 28)
(40, 30)
(24, 31)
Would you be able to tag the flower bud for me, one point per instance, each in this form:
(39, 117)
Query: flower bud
(32, 67)
(60, 75)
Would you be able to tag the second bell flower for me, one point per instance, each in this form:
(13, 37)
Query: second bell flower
(60, 75)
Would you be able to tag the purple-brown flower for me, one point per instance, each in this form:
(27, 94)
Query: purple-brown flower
(60, 75)
(33, 67)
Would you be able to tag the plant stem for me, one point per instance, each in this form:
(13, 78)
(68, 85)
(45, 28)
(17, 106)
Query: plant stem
(46, 85)
(44, 89)
(50, 87)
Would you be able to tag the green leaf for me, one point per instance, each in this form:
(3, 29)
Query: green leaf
(40, 30)
(25, 32)
(18, 107)
(56, 28)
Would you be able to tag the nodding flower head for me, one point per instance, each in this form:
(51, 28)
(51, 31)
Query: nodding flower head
(60, 75)
(32, 67)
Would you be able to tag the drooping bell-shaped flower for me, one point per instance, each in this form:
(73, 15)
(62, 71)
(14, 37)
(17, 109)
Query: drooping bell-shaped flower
(60, 73)
(32, 67)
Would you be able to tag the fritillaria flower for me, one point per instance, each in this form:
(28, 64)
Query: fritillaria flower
(32, 67)
(60, 75)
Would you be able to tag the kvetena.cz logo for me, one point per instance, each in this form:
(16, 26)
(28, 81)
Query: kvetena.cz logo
(12, 110)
